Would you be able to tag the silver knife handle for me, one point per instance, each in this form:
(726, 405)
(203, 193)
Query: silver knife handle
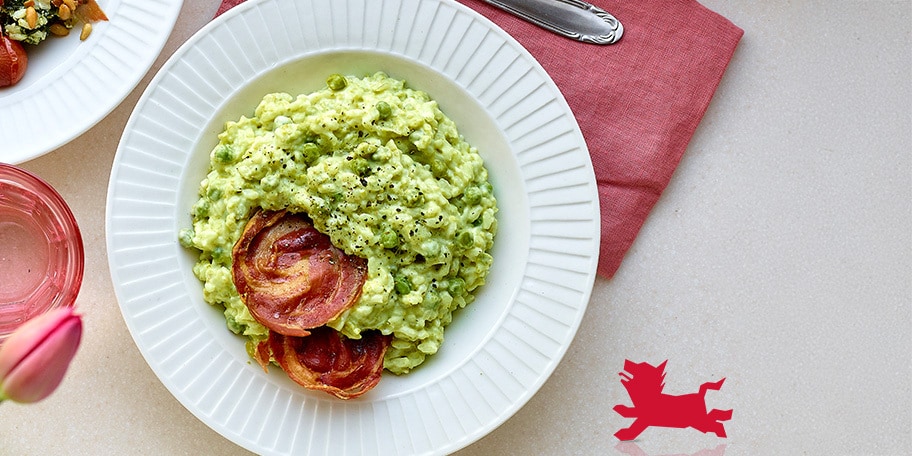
(574, 19)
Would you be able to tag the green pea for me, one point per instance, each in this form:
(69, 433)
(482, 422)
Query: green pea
(310, 152)
(389, 239)
(360, 166)
(336, 82)
(473, 195)
(401, 285)
(457, 287)
(233, 325)
(465, 239)
(438, 167)
(384, 110)
(201, 209)
(185, 237)
(487, 188)
(214, 194)
(219, 254)
(224, 153)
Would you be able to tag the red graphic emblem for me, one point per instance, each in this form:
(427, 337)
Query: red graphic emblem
(651, 407)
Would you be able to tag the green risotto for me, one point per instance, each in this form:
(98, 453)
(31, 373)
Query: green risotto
(386, 175)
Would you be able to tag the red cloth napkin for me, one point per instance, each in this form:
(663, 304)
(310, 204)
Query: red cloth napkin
(638, 102)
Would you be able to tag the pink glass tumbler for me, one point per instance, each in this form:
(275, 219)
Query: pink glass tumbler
(41, 251)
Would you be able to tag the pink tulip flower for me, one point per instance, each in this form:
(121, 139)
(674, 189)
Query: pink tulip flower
(34, 359)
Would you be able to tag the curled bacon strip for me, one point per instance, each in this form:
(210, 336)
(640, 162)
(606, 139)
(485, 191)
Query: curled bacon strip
(290, 276)
(328, 361)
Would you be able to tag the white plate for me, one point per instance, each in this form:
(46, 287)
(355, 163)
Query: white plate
(70, 85)
(498, 351)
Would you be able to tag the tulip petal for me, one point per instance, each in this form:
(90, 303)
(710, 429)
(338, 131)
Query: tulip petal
(39, 372)
(25, 338)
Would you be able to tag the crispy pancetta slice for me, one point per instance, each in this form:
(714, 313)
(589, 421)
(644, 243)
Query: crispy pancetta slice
(328, 361)
(290, 276)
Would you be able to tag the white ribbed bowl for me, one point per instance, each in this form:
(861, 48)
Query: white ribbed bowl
(498, 351)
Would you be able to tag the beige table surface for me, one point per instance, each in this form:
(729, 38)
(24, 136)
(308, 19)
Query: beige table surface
(779, 257)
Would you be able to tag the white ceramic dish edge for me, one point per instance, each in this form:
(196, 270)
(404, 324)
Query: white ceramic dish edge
(70, 85)
(552, 205)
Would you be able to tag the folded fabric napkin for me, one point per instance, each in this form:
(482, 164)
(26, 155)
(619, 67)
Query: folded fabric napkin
(637, 102)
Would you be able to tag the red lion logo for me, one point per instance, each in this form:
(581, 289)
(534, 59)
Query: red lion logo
(651, 407)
